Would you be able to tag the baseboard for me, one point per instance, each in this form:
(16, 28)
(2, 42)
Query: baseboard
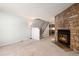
(11, 42)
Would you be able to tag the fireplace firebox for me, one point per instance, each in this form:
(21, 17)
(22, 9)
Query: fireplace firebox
(64, 37)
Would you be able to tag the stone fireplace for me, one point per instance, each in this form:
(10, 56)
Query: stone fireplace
(64, 37)
(68, 19)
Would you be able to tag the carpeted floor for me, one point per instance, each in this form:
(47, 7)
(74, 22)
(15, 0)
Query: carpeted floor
(67, 49)
(43, 47)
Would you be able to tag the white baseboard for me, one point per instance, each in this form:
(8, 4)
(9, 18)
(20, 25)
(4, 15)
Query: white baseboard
(11, 42)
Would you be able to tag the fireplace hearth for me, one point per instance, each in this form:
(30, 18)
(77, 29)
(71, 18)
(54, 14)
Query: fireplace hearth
(64, 37)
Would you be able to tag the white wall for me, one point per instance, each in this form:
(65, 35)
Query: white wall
(12, 28)
(35, 33)
(14, 17)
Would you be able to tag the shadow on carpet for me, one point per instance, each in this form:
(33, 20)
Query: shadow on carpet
(67, 49)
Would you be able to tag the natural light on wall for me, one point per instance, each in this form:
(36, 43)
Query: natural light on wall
(12, 28)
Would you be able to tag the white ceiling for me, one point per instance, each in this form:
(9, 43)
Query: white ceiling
(29, 11)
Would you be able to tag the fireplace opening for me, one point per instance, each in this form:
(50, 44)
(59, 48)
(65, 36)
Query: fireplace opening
(64, 37)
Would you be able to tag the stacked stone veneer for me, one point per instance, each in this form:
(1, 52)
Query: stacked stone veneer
(69, 19)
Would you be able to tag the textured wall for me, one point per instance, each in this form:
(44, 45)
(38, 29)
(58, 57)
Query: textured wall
(69, 19)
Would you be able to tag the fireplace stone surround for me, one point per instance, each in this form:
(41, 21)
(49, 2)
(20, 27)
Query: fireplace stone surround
(69, 19)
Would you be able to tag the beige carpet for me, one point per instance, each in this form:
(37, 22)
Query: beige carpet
(43, 47)
(67, 49)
